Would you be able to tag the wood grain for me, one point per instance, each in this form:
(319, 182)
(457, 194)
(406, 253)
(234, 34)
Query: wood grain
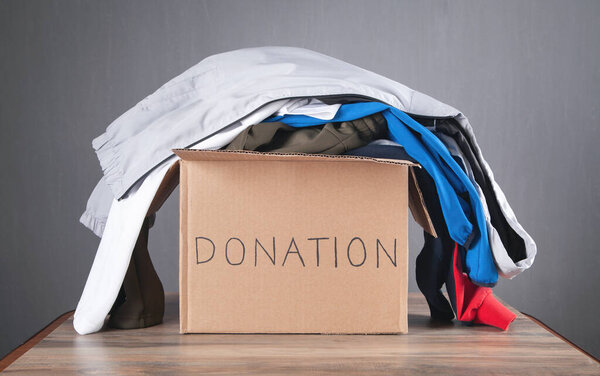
(428, 348)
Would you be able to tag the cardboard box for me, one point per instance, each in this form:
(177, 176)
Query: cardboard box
(292, 243)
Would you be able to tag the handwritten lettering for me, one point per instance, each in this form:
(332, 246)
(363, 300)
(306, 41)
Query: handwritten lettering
(324, 249)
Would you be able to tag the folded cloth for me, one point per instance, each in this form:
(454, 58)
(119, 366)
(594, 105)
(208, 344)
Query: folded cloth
(329, 138)
(475, 303)
(311, 107)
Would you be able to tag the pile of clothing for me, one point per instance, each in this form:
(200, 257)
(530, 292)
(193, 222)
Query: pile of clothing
(283, 99)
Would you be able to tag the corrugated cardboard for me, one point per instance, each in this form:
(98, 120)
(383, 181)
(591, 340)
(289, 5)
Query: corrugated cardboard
(291, 243)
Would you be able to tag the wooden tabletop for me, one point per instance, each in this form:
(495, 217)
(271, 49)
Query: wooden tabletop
(451, 349)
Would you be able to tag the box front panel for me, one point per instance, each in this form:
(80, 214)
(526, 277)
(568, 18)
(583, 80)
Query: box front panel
(294, 247)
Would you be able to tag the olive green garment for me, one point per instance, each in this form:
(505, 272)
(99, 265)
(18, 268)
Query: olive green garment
(142, 300)
(330, 138)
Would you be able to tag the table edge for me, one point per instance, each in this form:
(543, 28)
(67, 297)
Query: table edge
(560, 336)
(15, 354)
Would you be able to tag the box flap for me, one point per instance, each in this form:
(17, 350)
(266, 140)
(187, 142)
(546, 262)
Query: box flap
(417, 206)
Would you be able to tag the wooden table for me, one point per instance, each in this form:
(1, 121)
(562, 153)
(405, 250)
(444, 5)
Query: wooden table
(526, 348)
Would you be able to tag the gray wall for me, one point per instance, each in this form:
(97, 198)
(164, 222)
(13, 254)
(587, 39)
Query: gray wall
(525, 72)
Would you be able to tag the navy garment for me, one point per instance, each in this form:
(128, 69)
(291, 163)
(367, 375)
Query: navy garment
(513, 243)
(461, 207)
(374, 150)
(433, 265)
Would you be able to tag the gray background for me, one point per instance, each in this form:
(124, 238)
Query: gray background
(526, 73)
